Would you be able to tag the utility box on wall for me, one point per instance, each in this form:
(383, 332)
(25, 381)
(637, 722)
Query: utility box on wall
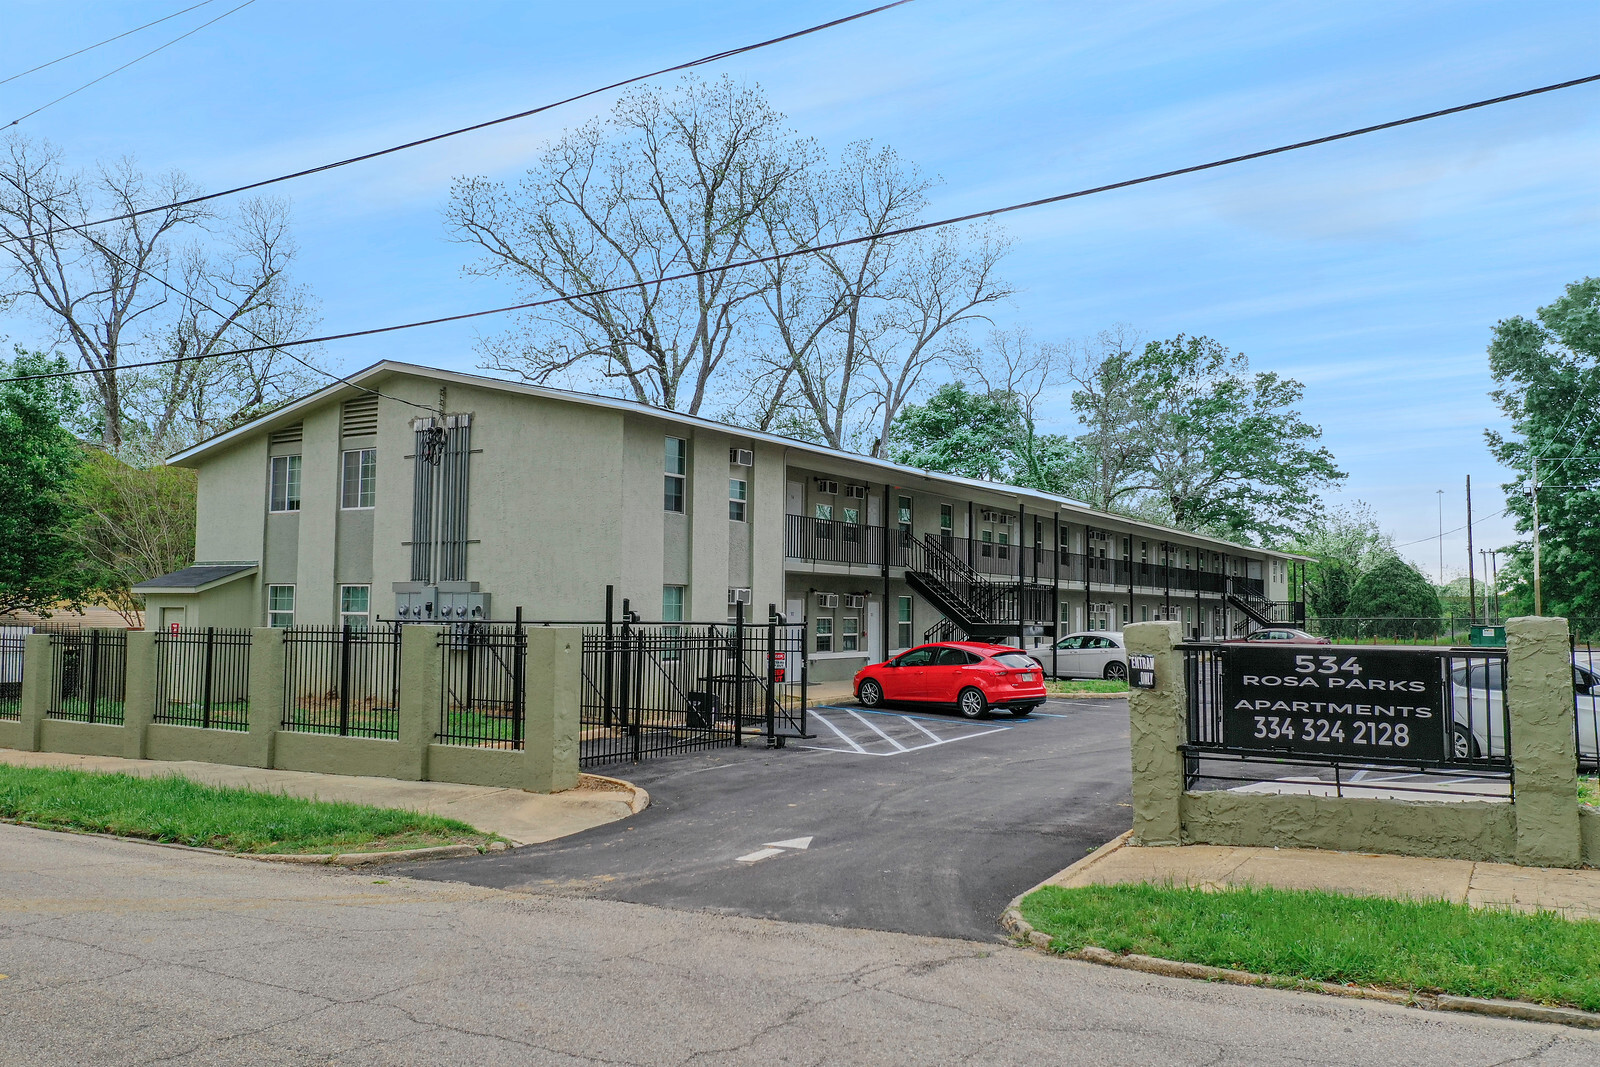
(444, 602)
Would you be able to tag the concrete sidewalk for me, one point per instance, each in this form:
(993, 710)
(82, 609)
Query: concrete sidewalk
(521, 817)
(1575, 893)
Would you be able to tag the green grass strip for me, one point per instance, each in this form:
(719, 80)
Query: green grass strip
(235, 820)
(1418, 946)
(1086, 685)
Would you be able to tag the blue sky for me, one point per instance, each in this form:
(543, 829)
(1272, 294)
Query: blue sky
(1371, 270)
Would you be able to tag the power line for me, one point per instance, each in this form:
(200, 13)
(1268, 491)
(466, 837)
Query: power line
(108, 40)
(1458, 529)
(880, 236)
(702, 61)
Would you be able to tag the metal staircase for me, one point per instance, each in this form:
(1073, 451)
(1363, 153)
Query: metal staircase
(1245, 595)
(973, 606)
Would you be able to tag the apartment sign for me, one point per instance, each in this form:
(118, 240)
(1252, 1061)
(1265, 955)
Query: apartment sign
(1334, 701)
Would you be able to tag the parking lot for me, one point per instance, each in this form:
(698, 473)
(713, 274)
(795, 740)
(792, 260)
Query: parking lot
(887, 819)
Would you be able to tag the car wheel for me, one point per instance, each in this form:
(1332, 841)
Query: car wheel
(870, 694)
(1116, 672)
(1463, 745)
(972, 704)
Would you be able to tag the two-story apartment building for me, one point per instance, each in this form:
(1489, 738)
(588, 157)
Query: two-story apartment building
(420, 494)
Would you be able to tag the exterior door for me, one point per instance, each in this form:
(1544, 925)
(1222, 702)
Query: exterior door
(795, 501)
(905, 680)
(170, 618)
(943, 678)
(875, 650)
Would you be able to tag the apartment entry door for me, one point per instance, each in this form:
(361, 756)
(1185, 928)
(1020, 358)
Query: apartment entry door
(875, 652)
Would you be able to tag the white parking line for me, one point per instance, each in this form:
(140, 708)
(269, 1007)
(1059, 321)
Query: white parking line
(842, 736)
(877, 731)
(892, 724)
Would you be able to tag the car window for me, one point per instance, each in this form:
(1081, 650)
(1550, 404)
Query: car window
(1479, 676)
(1014, 659)
(1070, 643)
(1582, 680)
(917, 657)
(1099, 642)
(952, 657)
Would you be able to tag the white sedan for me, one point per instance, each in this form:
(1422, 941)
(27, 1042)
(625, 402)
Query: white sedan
(1479, 728)
(1090, 654)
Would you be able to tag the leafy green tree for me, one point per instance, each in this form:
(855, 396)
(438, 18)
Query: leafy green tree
(958, 431)
(1344, 544)
(40, 567)
(134, 523)
(1396, 592)
(1548, 375)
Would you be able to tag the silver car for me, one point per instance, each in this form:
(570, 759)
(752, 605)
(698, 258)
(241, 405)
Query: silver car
(1479, 727)
(1089, 654)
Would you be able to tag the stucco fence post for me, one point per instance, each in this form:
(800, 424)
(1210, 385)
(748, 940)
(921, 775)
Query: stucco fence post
(553, 686)
(1157, 726)
(38, 666)
(1543, 754)
(421, 687)
(138, 692)
(265, 694)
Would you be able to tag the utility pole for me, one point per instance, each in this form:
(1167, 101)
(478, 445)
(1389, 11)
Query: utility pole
(1472, 588)
(1538, 590)
(1441, 537)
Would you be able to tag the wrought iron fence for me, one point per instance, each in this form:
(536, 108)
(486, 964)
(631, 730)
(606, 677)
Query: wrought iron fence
(13, 646)
(203, 678)
(342, 680)
(655, 688)
(1314, 741)
(88, 673)
(1586, 702)
(483, 691)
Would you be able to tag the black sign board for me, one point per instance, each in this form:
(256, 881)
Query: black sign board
(1141, 671)
(1371, 704)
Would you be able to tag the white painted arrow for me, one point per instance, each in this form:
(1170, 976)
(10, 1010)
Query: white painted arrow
(793, 842)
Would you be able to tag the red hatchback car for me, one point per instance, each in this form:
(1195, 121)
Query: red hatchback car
(972, 676)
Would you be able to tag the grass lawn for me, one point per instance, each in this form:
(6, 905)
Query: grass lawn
(235, 820)
(1086, 685)
(1589, 791)
(1429, 946)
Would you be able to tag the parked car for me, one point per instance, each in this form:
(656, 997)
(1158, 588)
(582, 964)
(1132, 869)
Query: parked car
(1281, 634)
(1479, 726)
(969, 675)
(1089, 654)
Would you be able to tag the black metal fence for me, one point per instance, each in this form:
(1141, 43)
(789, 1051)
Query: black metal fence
(13, 646)
(655, 688)
(483, 691)
(1466, 749)
(88, 675)
(203, 678)
(1586, 702)
(342, 680)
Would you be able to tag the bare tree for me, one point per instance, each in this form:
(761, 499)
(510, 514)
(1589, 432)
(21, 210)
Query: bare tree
(176, 282)
(1114, 450)
(664, 185)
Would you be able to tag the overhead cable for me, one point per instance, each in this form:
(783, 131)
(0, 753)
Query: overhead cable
(702, 61)
(865, 238)
(108, 40)
(128, 64)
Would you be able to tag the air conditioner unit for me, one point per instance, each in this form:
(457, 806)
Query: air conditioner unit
(738, 596)
(855, 600)
(856, 492)
(741, 457)
(825, 486)
(827, 600)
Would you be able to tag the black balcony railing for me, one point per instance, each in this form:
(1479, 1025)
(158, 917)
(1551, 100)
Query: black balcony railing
(833, 541)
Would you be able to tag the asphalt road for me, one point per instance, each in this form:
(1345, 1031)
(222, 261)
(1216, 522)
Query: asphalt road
(120, 953)
(919, 823)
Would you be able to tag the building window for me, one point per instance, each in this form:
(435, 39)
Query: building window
(355, 605)
(902, 634)
(905, 515)
(849, 633)
(825, 634)
(852, 527)
(672, 603)
(987, 548)
(285, 495)
(1125, 611)
(738, 489)
(1144, 612)
(280, 604)
(360, 478)
(677, 466)
(825, 512)
(1005, 540)
(947, 525)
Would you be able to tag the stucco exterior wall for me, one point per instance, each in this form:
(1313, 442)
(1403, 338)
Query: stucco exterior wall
(232, 488)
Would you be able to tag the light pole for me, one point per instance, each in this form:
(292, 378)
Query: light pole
(1441, 538)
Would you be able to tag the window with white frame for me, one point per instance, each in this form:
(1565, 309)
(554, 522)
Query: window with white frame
(849, 633)
(738, 491)
(280, 605)
(824, 633)
(360, 478)
(671, 611)
(355, 606)
(902, 635)
(677, 468)
(284, 493)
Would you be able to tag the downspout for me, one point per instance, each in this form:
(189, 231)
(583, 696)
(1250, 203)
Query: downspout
(887, 490)
(1055, 601)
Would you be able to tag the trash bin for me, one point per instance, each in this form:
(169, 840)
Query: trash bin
(1488, 637)
(702, 710)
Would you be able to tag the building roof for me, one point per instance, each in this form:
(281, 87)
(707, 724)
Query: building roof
(194, 578)
(352, 384)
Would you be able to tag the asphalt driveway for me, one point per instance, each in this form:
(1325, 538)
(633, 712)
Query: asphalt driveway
(917, 822)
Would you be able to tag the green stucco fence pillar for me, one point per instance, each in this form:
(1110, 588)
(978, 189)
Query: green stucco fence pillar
(266, 695)
(138, 692)
(550, 742)
(1543, 754)
(38, 669)
(1157, 725)
(421, 686)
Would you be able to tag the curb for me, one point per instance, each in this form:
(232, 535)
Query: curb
(362, 859)
(640, 798)
(1018, 927)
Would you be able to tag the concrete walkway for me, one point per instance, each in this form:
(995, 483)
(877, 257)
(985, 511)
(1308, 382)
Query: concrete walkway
(521, 817)
(1576, 893)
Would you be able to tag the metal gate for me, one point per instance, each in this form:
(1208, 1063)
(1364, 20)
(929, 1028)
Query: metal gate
(655, 688)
